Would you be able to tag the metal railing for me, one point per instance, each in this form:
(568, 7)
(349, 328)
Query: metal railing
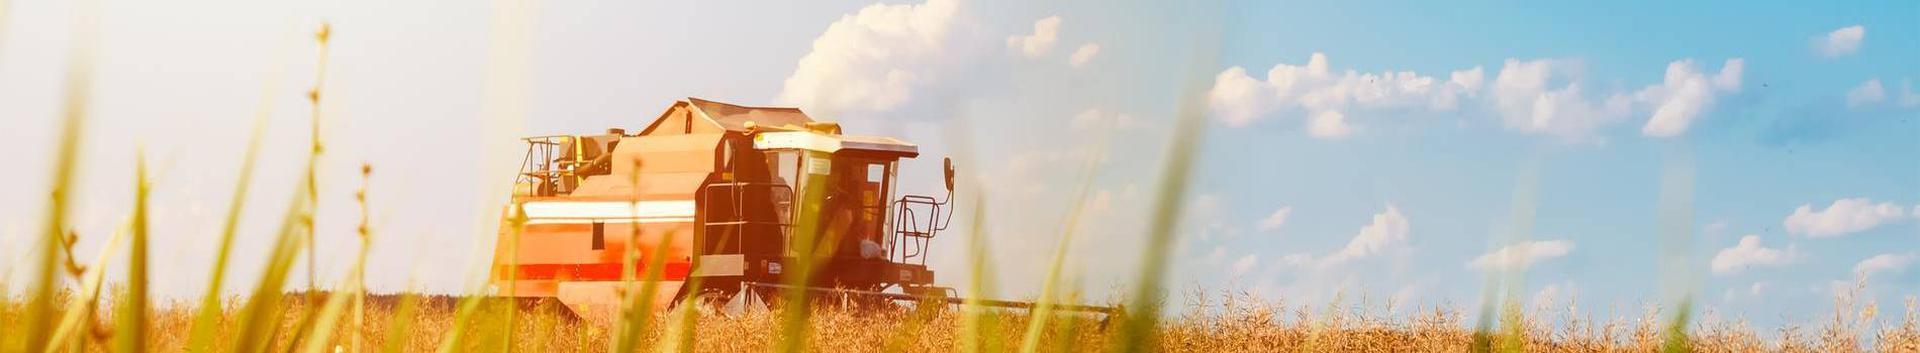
(543, 170)
(910, 234)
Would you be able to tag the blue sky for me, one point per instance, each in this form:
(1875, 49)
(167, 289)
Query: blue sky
(1786, 138)
(1389, 190)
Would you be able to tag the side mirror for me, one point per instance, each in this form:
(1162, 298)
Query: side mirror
(949, 163)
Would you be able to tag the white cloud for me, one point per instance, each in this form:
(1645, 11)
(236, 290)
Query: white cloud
(1084, 54)
(1527, 98)
(1046, 32)
(1844, 216)
(1866, 93)
(1729, 77)
(1329, 124)
(1275, 220)
(1325, 97)
(1237, 98)
(1873, 93)
(1388, 229)
(1883, 263)
(1521, 255)
(1245, 264)
(1685, 94)
(1840, 42)
(873, 59)
(1469, 80)
(1542, 96)
(1749, 253)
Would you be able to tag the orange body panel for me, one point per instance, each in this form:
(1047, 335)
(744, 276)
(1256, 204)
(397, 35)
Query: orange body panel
(572, 244)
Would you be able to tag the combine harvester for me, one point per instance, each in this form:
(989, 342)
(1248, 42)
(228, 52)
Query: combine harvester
(726, 194)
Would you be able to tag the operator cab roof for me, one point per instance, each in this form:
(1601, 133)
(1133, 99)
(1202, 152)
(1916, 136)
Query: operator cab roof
(771, 128)
(816, 141)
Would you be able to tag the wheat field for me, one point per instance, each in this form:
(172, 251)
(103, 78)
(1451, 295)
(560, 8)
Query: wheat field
(1234, 322)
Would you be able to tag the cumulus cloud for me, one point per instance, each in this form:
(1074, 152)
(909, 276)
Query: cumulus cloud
(1084, 54)
(1274, 220)
(1685, 94)
(1046, 32)
(1844, 216)
(1329, 124)
(1521, 255)
(872, 60)
(1545, 96)
(1542, 96)
(1869, 92)
(1237, 98)
(1883, 263)
(1840, 42)
(1872, 94)
(1324, 98)
(1749, 253)
(1388, 229)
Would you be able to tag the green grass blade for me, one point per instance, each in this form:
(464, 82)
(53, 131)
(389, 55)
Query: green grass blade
(360, 265)
(131, 334)
(1143, 314)
(1676, 232)
(320, 336)
(811, 242)
(77, 319)
(40, 303)
(977, 333)
(400, 325)
(516, 225)
(638, 314)
(1043, 311)
(462, 321)
(469, 306)
(258, 320)
(1676, 337)
(680, 336)
(207, 319)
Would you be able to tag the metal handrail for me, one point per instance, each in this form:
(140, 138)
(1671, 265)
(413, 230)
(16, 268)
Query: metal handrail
(907, 228)
(538, 168)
